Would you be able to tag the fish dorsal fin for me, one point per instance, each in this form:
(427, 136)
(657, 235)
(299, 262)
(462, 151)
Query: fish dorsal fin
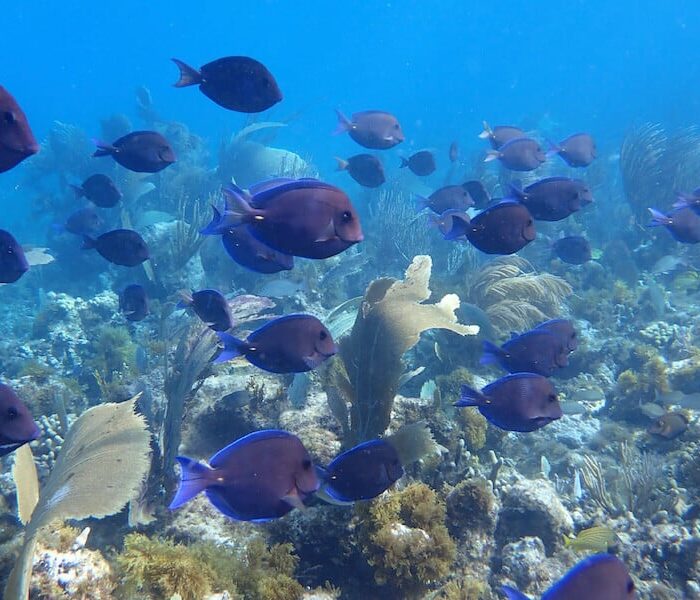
(219, 459)
(513, 594)
(269, 191)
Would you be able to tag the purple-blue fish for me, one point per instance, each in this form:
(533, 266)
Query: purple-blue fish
(120, 246)
(366, 169)
(553, 198)
(478, 193)
(573, 249)
(363, 472)
(563, 329)
(237, 83)
(100, 190)
(450, 197)
(249, 252)
(17, 141)
(133, 302)
(289, 344)
(13, 262)
(210, 306)
(682, 223)
(259, 477)
(518, 154)
(598, 577)
(421, 163)
(500, 134)
(140, 151)
(577, 150)
(374, 129)
(84, 221)
(295, 217)
(535, 351)
(502, 228)
(17, 427)
(517, 402)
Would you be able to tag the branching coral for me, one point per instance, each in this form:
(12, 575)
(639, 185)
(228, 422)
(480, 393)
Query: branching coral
(389, 323)
(404, 537)
(514, 296)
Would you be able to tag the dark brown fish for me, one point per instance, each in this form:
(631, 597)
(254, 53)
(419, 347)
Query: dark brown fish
(140, 151)
(503, 228)
(682, 223)
(100, 190)
(16, 138)
(237, 83)
(16, 424)
(500, 134)
(421, 163)
(121, 246)
(669, 426)
(133, 302)
(373, 129)
(518, 154)
(573, 249)
(366, 169)
(577, 150)
(13, 262)
(478, 193)
(450, 197)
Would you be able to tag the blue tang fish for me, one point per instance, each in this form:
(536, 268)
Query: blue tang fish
(289, 344)
(553, 198)
(598, 577)
(140, 151)
(120, 246)
(536, 351)
(682, 223)
(259, 477)
(500, 134)
(242, 246)
(210, 306)
(16, 424)
(518, 154)
(517, 402)
(578, 150)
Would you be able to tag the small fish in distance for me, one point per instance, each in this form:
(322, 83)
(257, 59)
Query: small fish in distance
(374, 129)
(517, 402)
(598, 577)
(572, 249)
(100, 190)
(366, 169)
(17, 427)
(682, 223)
(450, 197)
(535, 351)
(669, 425)
(210, 306)
(13, 262)
(120, 246)
(453, 152)
(292, 217)
(133, 302)
(500, 134)
(237, 83)
(553, 198)
(17, 141)
(139, 151)
(249, 252)
(259, 477)
(289, 344)
(519, 154)
(577, 150)
(84, 221)
(562, 328)
(421, 163)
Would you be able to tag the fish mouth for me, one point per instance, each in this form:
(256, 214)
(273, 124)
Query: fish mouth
(28, 150)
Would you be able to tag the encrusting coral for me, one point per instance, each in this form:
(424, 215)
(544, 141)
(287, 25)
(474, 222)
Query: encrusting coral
(404, 538)
(388, 324)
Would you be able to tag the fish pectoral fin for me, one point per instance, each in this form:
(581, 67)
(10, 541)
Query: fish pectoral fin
(313, 360)
(328, 233)
(293, 499)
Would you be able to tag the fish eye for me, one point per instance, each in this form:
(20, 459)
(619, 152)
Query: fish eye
(323, 335)
(396, 125)
(552, 398)
(9, 117)
(347, 216)
(306, 464)
(12, 413)
(530, 222)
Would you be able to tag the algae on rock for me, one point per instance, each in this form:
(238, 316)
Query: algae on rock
(389, 323)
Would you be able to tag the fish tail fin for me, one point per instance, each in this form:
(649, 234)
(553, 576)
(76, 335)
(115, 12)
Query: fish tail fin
(103, 149)
(512, 593)
(233, 347)
(88, 243)
(491, 355)
(188, 75)
(194, 478)
(487, 132)
(78, 190)
(213, 228)
(342, 164)
(658, 218)
(344, 124)
(412, 442)
(404, 162)
(492, 155)
(471, 397)
(554, 148)
(185, 299)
